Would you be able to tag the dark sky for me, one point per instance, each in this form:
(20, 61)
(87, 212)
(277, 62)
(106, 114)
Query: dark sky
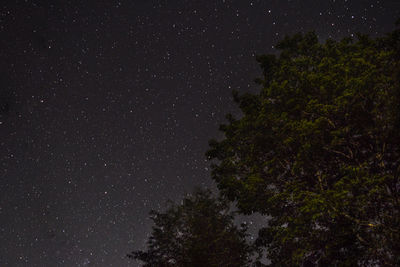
(111, 105)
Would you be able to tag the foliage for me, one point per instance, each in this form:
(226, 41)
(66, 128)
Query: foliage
(199, 232)
(318, 150)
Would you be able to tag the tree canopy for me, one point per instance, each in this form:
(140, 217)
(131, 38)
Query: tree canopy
(318, 150)
(198, 233)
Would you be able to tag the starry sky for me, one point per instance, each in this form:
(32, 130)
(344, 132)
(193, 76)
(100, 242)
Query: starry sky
(108, 106)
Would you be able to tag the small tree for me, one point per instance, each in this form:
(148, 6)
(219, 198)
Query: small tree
(199, 232)
(318, 150)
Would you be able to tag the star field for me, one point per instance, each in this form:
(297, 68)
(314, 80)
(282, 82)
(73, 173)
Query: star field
(111, 105)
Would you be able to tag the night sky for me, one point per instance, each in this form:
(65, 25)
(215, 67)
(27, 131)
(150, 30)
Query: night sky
(110, 106)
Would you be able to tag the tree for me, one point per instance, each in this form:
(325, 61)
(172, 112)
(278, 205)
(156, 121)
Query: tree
(199, 232)
(318, 150)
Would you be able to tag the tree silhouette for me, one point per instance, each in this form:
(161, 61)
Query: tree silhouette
(318, 150)
(199, 232)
